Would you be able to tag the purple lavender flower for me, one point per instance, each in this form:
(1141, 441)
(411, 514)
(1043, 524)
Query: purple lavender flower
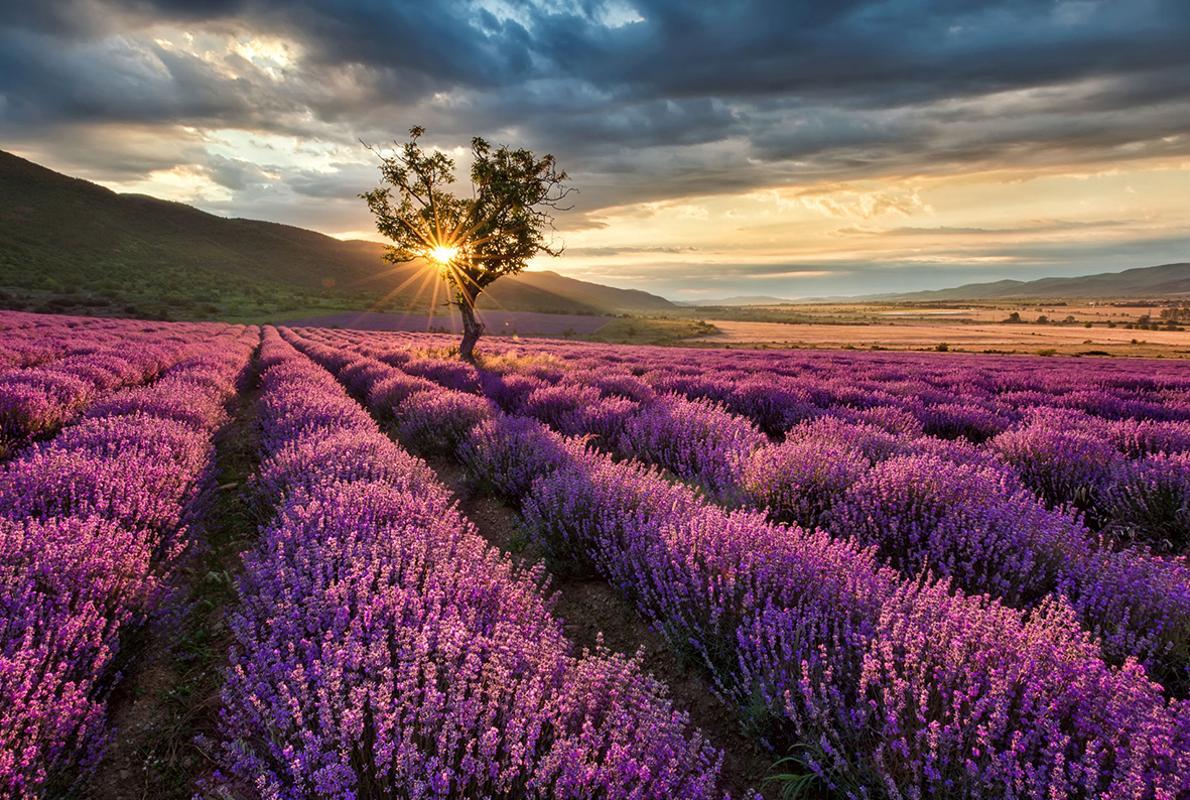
(694, 439)
(1062, 465)
(1149, 502)
(800, 480)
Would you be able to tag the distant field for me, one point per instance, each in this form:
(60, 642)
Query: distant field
(501, 323)
(1113, 328)
(914, 336)
(960, 327)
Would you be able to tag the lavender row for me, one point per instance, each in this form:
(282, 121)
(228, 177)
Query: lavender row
(952, 395)
(1127, 476)
(28, 339)
(90, 525)
(973, 521)
(1100, 458)
(921, 502)
(36, 400)
(881, 686)
(383, 649)
(1071, 444)
(1096, 436)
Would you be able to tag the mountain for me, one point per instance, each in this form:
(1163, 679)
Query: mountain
(67, 244)
(1165, 280)
(549, 286)
(739, 300)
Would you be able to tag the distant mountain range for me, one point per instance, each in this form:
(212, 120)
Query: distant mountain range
(1165, 280)
(67, 244)
(738, 300)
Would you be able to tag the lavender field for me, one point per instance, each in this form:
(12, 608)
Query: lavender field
(872, 575)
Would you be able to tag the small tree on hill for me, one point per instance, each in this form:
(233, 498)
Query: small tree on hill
(473, 240)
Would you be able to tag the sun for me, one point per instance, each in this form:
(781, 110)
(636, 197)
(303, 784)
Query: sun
(442, 254)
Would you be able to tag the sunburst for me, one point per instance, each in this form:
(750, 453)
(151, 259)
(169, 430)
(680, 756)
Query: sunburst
(442, 254)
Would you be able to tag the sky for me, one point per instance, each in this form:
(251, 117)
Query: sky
(774, 147)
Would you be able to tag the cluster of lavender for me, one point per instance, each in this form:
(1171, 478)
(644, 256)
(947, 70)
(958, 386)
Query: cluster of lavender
(979, 527)
(383, 649)
(90, 524)
(923, 502)
(27, 339)
(881, 685)
(1101, 466)
(67, 365)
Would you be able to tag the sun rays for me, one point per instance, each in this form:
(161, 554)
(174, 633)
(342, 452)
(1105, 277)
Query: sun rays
(442, 254)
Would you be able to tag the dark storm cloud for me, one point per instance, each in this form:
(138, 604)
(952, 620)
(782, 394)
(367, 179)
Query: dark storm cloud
(641, 100)
(339, 181)
(117, 80)
(870, 53)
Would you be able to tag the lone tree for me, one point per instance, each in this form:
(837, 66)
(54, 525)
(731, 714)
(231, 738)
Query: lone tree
(471, 240)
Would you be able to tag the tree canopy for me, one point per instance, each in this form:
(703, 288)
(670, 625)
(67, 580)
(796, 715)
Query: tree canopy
(506, 221)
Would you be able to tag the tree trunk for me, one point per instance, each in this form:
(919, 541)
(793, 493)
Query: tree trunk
(472, 327)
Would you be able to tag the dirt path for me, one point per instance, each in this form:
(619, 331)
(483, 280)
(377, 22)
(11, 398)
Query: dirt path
(589, 608)
(170, 691)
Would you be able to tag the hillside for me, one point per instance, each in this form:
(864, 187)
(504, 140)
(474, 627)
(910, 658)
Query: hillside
(67, 244)
(1163, 281)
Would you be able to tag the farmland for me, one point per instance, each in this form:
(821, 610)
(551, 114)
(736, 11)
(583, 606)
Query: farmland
(1100, 328)
(311, 562)
(1117, 327)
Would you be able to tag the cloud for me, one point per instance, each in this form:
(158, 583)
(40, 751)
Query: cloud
(1030, 227)
(236, 174)
(643, 101)
(600, 252)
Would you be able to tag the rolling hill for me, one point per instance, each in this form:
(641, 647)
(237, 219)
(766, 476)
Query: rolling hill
(1163, 281)
(70, 245)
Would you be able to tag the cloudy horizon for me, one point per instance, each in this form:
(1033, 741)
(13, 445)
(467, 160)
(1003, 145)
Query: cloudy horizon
(749, 148)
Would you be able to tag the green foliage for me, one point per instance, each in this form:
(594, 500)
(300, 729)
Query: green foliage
(495, 231)
(652, 330)
(474, 240)
(792, 779)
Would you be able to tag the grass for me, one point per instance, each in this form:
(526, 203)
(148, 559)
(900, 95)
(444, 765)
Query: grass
(651, 330)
